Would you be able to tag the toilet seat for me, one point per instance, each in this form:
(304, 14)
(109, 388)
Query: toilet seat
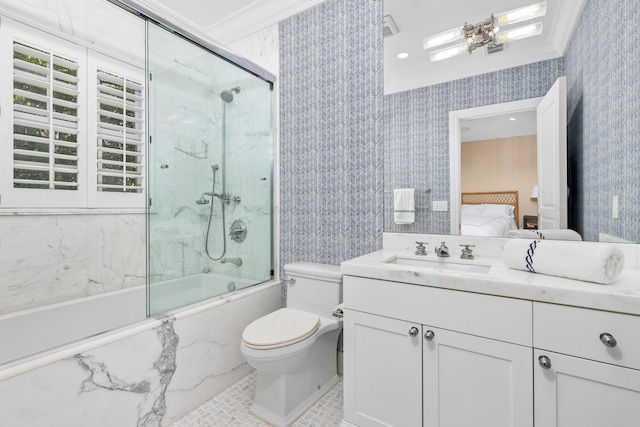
(281, 328)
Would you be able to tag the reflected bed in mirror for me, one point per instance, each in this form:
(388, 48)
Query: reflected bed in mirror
(489, 214)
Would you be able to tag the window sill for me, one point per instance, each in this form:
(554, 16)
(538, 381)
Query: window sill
(70, 211)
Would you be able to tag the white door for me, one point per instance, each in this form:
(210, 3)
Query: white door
(579, 392)
(474, 381)
(382, 371)
(552, 157)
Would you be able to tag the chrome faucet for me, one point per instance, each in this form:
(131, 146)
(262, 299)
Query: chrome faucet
(234, 261)
(442, 250)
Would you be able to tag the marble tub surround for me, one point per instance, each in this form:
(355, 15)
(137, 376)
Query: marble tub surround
(61, 257)
(622, 296)
(149, 374)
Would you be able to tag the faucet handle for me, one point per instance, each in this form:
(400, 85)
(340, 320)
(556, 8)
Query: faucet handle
(466, 252)
(420, 249)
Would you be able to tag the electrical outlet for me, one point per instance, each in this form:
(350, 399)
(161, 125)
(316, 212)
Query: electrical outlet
(440, 205)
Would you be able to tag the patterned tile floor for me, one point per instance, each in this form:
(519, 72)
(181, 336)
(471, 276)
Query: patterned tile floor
(230, 408)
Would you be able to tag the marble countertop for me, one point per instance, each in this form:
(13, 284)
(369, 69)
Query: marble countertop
(622, 296)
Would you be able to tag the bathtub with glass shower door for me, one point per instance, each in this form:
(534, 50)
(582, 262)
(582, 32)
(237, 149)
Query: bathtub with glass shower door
(210, 175)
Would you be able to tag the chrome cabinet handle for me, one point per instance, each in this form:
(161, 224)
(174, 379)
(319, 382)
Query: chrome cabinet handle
(413, 331)
(429, 335)
(545, 362)
(608, 340)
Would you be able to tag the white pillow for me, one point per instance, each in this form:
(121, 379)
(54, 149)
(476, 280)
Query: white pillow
(498, 210)
(471, 209)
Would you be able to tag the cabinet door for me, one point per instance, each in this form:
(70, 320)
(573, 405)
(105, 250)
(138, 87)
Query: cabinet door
(473, 381)
(382, 371)
(572, 391)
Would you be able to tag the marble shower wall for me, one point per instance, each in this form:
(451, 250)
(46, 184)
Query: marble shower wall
(187, 131)
(46, 259)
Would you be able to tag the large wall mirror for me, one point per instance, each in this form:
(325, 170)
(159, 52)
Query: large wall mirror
(601, 185)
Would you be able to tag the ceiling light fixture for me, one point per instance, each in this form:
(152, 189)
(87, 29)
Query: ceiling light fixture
(487, 32)
(403, 55)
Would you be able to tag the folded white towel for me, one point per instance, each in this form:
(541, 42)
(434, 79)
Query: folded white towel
(564, 234)
(592, 263)
(404, 211)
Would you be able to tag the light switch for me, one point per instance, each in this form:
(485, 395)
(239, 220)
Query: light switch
(440, 205)
(614, 207)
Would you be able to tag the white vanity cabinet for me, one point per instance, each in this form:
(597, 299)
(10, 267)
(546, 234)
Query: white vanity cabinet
(586, 367)
(421, 356)
(383, 386)
(475, 381)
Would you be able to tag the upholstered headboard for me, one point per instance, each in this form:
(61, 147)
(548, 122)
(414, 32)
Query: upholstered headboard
(494, 198)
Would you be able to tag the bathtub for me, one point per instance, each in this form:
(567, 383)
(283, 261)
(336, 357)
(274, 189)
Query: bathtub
(44, 328)
(86, 377)
(170, 294)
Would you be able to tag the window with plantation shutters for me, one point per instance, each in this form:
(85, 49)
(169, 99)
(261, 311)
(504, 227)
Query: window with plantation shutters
(120, 133)
(45, 119)
(72, 131)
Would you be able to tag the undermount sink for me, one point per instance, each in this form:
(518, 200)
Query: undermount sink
(439, 265)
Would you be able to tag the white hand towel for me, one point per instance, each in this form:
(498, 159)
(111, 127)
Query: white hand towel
(564, 234)
(404, 211)
(597, 263)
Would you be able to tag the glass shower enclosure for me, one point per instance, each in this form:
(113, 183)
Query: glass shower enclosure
(210, 169)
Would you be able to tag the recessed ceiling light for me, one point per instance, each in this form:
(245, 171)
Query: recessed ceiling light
(513, 119)
(403, 55)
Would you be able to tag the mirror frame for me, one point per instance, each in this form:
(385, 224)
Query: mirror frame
(455, 146)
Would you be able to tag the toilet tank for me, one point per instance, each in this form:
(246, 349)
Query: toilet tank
(315, 288)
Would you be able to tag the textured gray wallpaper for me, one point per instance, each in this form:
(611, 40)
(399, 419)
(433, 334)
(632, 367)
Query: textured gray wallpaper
(416, 132)
(603, 85)
(331, 82)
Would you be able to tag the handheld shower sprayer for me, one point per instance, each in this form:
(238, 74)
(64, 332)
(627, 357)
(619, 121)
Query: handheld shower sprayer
(202, 200)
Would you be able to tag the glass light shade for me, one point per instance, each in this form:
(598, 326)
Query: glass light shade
(522, 14)
(442, 38)
(519, 33)
(448, 52)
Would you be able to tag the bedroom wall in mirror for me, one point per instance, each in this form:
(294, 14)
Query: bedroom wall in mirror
(602, 133)
(498, 166)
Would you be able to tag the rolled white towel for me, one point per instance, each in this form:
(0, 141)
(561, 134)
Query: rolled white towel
(564, 234)
(592, 263)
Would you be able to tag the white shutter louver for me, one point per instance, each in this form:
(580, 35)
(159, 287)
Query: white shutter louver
(120, 133)
(45, 119)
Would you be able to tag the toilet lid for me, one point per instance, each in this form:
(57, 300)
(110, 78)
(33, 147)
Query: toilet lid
(282, 327)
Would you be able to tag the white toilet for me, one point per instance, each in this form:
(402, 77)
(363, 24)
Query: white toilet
(294, 349)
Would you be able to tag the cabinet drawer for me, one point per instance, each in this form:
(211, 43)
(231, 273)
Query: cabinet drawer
(578, 332)
(488, 316)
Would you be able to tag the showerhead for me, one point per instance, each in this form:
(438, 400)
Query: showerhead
(227, 95)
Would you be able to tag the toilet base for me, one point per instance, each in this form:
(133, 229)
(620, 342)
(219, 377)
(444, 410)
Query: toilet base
(288, 386)
(284, 421)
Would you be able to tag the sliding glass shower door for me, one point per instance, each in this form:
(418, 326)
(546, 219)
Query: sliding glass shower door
(210, 167)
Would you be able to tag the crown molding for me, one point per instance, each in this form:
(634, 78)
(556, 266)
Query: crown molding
(255, 17)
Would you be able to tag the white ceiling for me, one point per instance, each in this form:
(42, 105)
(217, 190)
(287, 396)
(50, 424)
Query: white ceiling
(227, 21)
(501, 126)
(419, 18)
